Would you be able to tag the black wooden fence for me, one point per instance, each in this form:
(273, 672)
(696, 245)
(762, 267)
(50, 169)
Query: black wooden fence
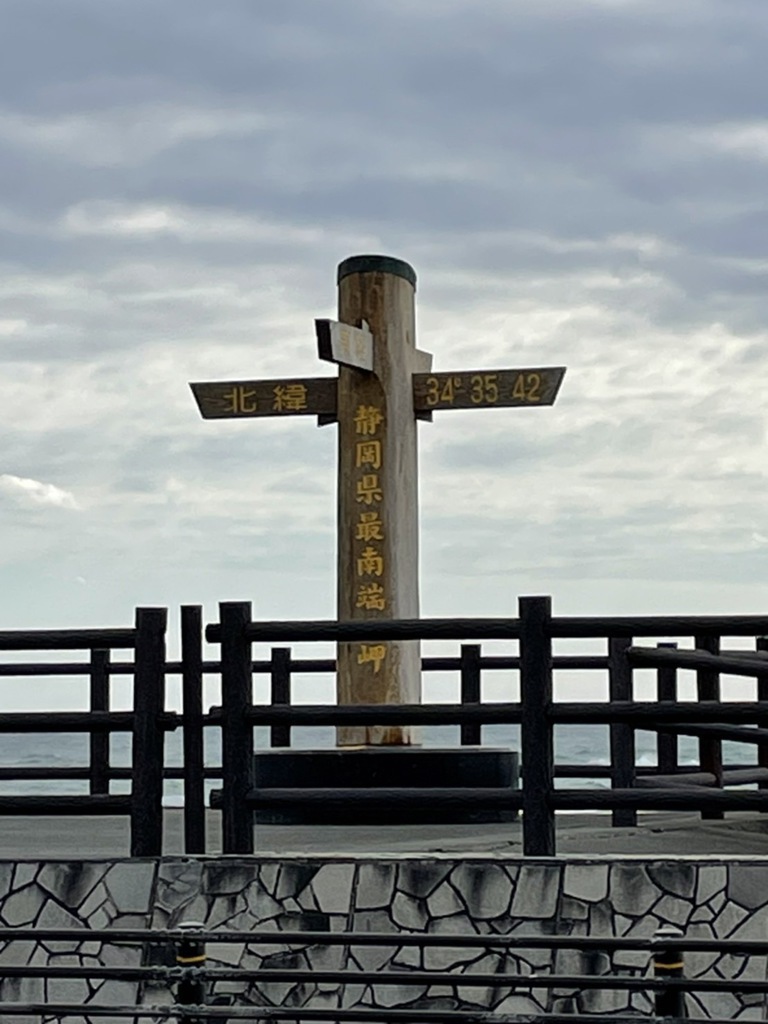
(147, 723)
(534, 630)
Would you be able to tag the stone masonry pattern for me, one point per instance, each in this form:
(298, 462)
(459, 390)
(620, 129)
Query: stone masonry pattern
(437, 894)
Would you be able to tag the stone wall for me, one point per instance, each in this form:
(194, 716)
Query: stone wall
(482, 895)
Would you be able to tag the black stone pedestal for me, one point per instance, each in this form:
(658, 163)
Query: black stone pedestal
(371, 768)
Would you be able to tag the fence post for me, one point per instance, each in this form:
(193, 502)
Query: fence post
(668, 963)
(236, 733)
(471, 734)
(190, 952)
(666, 689)
(761, 644)
(192, 738)
(99, 741)
(708, 688)
(536, 727)
(147, 758)
(622, 736)
(280, 692)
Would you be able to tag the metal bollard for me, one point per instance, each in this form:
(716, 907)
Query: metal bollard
(668, 962)
(190, 952)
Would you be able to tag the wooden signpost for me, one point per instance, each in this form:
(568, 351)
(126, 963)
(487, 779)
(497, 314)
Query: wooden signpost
(384, 385)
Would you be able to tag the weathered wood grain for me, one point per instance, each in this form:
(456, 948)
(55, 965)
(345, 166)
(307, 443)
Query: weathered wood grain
(378, 549)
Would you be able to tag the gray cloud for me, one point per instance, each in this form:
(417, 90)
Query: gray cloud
(576, 181)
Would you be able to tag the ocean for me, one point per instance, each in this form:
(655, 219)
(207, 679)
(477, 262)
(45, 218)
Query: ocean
(578, 745)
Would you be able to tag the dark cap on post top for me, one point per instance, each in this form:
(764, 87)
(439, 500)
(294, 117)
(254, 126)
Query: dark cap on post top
(376, 265)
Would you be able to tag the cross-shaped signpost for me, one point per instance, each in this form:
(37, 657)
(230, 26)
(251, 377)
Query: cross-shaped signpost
(384, 385)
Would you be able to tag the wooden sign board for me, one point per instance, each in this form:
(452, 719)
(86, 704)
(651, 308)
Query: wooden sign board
(486, 389)
(341, 343)
(308, 396)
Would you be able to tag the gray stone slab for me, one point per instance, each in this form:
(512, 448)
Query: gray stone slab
(305, 901)
(294, 877)
(228, 954)
(409, 913)
(327, 958)
(178, 882)
(375, 885)
(408, 956)
(260, 904)
(120, 956)
(604, 1001)
(519, 1004)
(573, 910)
(588, 882)
(677, 878)
(444, 901)
(537, 891)
(701, 914)
(17, 953)
(268, 876)
(486, 996)
(674, 910)
(729, 918)
(373, 958)
(486, 889)
(70, 990)
(631, 890)
(226, 878)
(23, 906)
(224, 909)
(72, 881)
(25, 873)
(712, 879)
(326, 997)
(630, 959)
(396, 995)
(754, 926)
(421, 878)
(445, 958)
(92, 902)
(748, 885)
(6, 878)
(130, 886)
(332, 887)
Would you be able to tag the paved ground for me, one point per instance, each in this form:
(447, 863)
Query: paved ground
(659, 834)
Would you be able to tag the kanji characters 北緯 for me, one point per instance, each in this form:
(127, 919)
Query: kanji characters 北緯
(290, 397)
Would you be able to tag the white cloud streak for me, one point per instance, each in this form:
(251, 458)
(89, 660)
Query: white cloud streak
(26, 491)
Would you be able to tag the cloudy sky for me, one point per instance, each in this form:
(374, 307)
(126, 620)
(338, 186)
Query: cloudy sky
(578, 182)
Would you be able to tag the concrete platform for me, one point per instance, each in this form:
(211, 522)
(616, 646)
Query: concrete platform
(669, 834)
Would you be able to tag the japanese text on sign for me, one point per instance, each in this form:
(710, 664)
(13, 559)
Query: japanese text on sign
(369, 530)
(310, 396)
(486, 388)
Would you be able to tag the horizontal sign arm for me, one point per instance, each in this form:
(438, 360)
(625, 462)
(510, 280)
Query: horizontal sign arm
(486, 389)
(308, 396)
(344, 344)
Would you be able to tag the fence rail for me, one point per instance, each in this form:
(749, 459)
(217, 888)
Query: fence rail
(190, 982)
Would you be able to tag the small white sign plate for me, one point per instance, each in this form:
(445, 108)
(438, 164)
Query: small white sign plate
(341, 343)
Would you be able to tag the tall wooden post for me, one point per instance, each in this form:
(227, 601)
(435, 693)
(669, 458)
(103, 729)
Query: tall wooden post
(378, 546)
(384, 385)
